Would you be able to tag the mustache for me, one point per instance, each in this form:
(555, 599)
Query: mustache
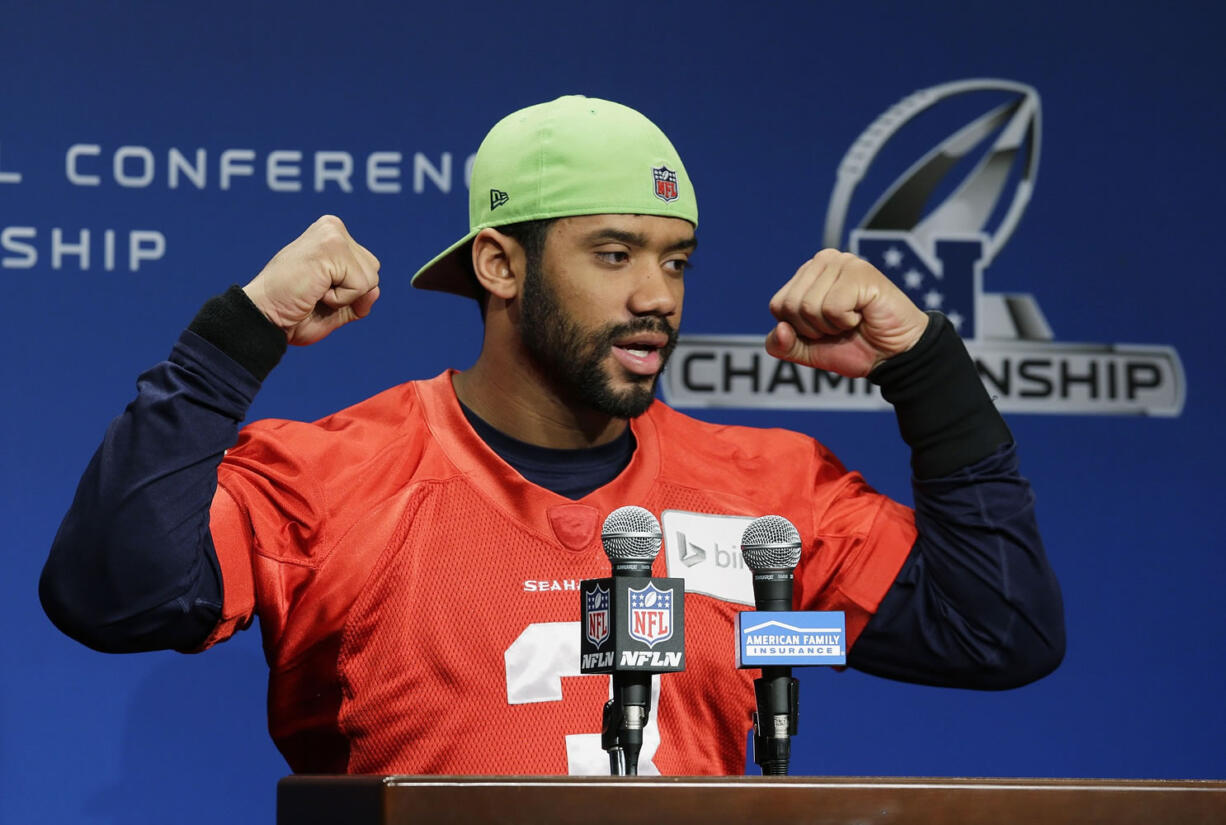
(652, 324)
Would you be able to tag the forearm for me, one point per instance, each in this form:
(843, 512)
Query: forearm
(133, 566)
(976, 604)
(944, 413)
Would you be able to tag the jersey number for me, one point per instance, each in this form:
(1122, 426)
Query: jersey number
(536, 662)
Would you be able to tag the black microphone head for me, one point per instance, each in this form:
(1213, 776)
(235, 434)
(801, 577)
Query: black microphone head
(630, 534)
(770, 543)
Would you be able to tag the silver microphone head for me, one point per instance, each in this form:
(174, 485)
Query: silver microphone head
(770, 543)
(630, 533)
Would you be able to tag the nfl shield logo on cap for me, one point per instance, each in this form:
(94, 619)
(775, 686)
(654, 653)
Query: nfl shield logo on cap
(666, 183)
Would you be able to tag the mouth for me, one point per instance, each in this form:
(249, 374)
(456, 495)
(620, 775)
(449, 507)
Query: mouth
(641, 354)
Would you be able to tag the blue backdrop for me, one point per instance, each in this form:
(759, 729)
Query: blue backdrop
(107, 110)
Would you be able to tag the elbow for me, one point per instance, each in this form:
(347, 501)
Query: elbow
(73, 585)
(1032, 651)
(89, 604)
(127, 571)
(1027, 664)
(1040, 639)
(71, 616)
(76, 615)
(175, 625)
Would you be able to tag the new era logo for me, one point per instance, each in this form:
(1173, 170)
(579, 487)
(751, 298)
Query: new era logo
(498, 198)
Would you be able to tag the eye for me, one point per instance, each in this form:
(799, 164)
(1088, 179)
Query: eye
(613, 256)
(678, 265)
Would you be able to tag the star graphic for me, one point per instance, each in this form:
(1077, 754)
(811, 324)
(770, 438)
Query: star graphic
(893, 257)
(913, 278)
(955, 318)
(933, 299)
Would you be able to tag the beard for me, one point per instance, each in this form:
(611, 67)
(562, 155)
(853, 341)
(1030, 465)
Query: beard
(574, 359)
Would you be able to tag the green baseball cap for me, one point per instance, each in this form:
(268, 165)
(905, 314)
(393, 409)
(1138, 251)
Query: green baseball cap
(572, 156)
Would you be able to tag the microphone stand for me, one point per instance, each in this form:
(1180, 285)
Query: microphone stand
(624, 718)
(775, 720)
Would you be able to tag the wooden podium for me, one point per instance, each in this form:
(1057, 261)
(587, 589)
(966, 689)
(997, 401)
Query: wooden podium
(475, 800)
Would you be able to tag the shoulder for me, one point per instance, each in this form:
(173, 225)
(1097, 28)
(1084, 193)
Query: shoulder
(723, 439)
(363, 428)
(702, 448)
(380, 441)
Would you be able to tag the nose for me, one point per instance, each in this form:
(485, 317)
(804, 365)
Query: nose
(657, 292)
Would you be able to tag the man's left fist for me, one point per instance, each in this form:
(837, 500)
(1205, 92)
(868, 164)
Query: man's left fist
(839, 313)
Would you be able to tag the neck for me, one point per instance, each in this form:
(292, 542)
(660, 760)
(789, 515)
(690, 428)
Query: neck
(515, 398)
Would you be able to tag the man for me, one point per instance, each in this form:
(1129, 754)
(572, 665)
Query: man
(342, 534)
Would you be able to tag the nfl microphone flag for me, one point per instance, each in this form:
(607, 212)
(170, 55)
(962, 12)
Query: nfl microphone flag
(629, 627)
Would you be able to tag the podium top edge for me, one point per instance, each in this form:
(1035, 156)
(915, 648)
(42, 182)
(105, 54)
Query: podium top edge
(797, 782)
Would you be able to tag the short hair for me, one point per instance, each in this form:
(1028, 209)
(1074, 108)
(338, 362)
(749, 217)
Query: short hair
(531, 236)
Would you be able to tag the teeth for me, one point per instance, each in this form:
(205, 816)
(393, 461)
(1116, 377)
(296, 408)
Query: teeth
(640, 353)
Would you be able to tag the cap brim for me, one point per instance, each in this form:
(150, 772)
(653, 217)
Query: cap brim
(450, 270)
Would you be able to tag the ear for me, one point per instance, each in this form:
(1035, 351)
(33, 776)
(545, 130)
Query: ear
(498, 262)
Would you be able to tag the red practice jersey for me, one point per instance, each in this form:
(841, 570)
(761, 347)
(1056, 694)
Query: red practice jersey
(419, 599)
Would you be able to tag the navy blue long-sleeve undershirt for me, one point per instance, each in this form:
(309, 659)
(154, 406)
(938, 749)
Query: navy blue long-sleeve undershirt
(975, 605)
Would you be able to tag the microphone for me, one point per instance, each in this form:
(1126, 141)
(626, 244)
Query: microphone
(631, 539)
(633, 626)
(771, 548)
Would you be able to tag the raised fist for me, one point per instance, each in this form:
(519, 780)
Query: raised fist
(839, 313)
(322, 280)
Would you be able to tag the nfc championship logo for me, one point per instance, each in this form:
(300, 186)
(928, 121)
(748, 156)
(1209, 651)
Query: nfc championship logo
(935, 231)
(651, 614)
(596, 629)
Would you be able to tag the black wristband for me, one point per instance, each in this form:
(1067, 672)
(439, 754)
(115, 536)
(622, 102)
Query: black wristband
(236, 326)
(944, 412)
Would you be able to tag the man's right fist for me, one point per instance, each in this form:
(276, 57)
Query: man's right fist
(321, 281)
